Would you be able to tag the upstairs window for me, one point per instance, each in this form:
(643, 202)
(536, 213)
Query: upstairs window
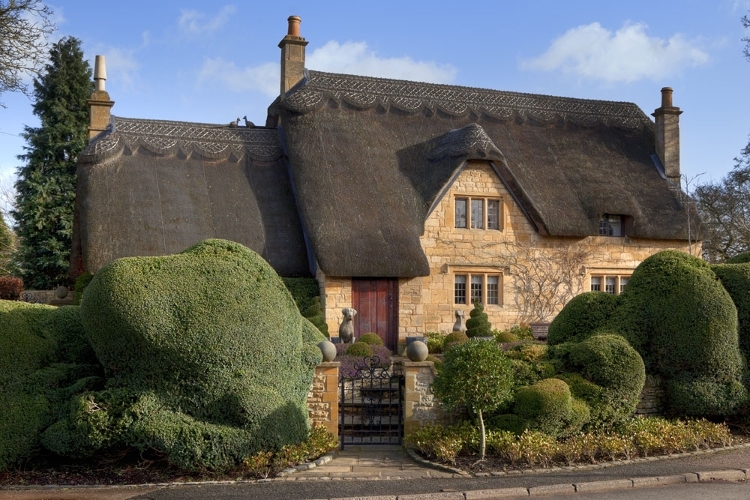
(477, 213)
(610, 225)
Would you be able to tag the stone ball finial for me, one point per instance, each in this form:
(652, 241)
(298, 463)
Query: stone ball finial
(328, 349)
(417, 351)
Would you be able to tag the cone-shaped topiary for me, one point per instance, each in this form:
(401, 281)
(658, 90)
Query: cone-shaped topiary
(478, 325)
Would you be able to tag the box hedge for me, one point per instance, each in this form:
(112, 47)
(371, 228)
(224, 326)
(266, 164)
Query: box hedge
(736, 280)
(678, 316)
(548, 406)
(214, 338)
(582, 317)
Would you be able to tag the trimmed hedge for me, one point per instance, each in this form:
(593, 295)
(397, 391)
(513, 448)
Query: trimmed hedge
(582, 317)
(683, 323)
(608, 374)
(361, 349)
(25, 348)
(548, 406)
(736, 280)
(740, 258)
(214, 338)
(315, 315)
(371, 339)
(303, 290)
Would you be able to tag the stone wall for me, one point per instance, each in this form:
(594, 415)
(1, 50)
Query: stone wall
(323, 398)
(652, 397)
(420, 406)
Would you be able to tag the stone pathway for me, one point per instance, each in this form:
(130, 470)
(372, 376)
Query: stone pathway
(369, 462)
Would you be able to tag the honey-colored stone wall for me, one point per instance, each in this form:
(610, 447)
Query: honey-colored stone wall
(323, 398)
(452, 250)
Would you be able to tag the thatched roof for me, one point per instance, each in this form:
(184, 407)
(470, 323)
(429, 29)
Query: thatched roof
(370, 158)
(150, 187)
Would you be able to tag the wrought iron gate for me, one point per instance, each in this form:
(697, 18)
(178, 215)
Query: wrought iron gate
(371, 405)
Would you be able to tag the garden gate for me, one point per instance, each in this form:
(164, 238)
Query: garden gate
(371, 405)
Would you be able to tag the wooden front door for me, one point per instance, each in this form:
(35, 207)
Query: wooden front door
(376, 302)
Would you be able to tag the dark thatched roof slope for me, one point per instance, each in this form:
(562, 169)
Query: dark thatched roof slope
(150, 187)
(370, 157)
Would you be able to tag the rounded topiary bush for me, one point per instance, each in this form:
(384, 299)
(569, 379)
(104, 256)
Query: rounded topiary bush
(361, 349)
(683, 323)
(478, 324)
(581, 317)
(371, 339)
(615, 372)
(505, 336)
(454, 338)
(209, 356)
(548, 407)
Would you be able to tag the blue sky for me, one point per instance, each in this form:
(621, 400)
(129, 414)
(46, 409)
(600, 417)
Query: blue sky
(213, 62)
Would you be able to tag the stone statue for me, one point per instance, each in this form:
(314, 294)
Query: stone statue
(346, 330)
(459, 326)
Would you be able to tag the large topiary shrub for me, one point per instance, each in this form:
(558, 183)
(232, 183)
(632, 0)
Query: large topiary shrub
(371, 339)
(359, 349)
(683, 323)
(208, 347)
(478, 324)
(736, 280)
(581, 317)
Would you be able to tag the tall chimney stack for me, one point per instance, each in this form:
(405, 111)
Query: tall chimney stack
(668, 135)
(100, 105)
(292, 56)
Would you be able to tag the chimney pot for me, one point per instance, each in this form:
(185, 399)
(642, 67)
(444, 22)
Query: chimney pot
(294, 22)
(100, 73)
(666, 97)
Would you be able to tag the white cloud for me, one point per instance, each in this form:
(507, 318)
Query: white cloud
(358, 59)
(193, 22)
(263, 78)
(350, 58)
(628, 55)
(122, 66)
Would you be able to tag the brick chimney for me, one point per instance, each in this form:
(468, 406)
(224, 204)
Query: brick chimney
(668, 135)
(292, 56)
(100, 106)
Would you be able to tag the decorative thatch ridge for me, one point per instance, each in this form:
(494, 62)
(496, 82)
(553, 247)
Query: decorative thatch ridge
(470, 141)
(414, 97)
(215, 142)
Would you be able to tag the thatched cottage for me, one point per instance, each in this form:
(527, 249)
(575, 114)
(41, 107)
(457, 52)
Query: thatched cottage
(405, 200)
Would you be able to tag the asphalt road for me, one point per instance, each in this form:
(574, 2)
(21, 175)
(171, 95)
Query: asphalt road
(449, 487)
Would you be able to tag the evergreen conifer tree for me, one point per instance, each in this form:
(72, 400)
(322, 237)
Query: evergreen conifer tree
(46, 183)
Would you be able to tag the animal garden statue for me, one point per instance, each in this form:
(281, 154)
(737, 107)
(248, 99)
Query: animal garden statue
(346, 330)
(459, 326)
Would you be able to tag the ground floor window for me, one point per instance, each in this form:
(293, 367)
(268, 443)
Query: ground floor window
(609, 284)
(483, 287)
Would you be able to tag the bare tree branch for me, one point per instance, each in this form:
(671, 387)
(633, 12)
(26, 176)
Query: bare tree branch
(24, 27)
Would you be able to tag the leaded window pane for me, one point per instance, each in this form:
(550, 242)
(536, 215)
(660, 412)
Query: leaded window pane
(596, 284)
(477, 214)
(476, 289)
(461, 212)
(459, 290)
(493, 289)
(493, 214)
